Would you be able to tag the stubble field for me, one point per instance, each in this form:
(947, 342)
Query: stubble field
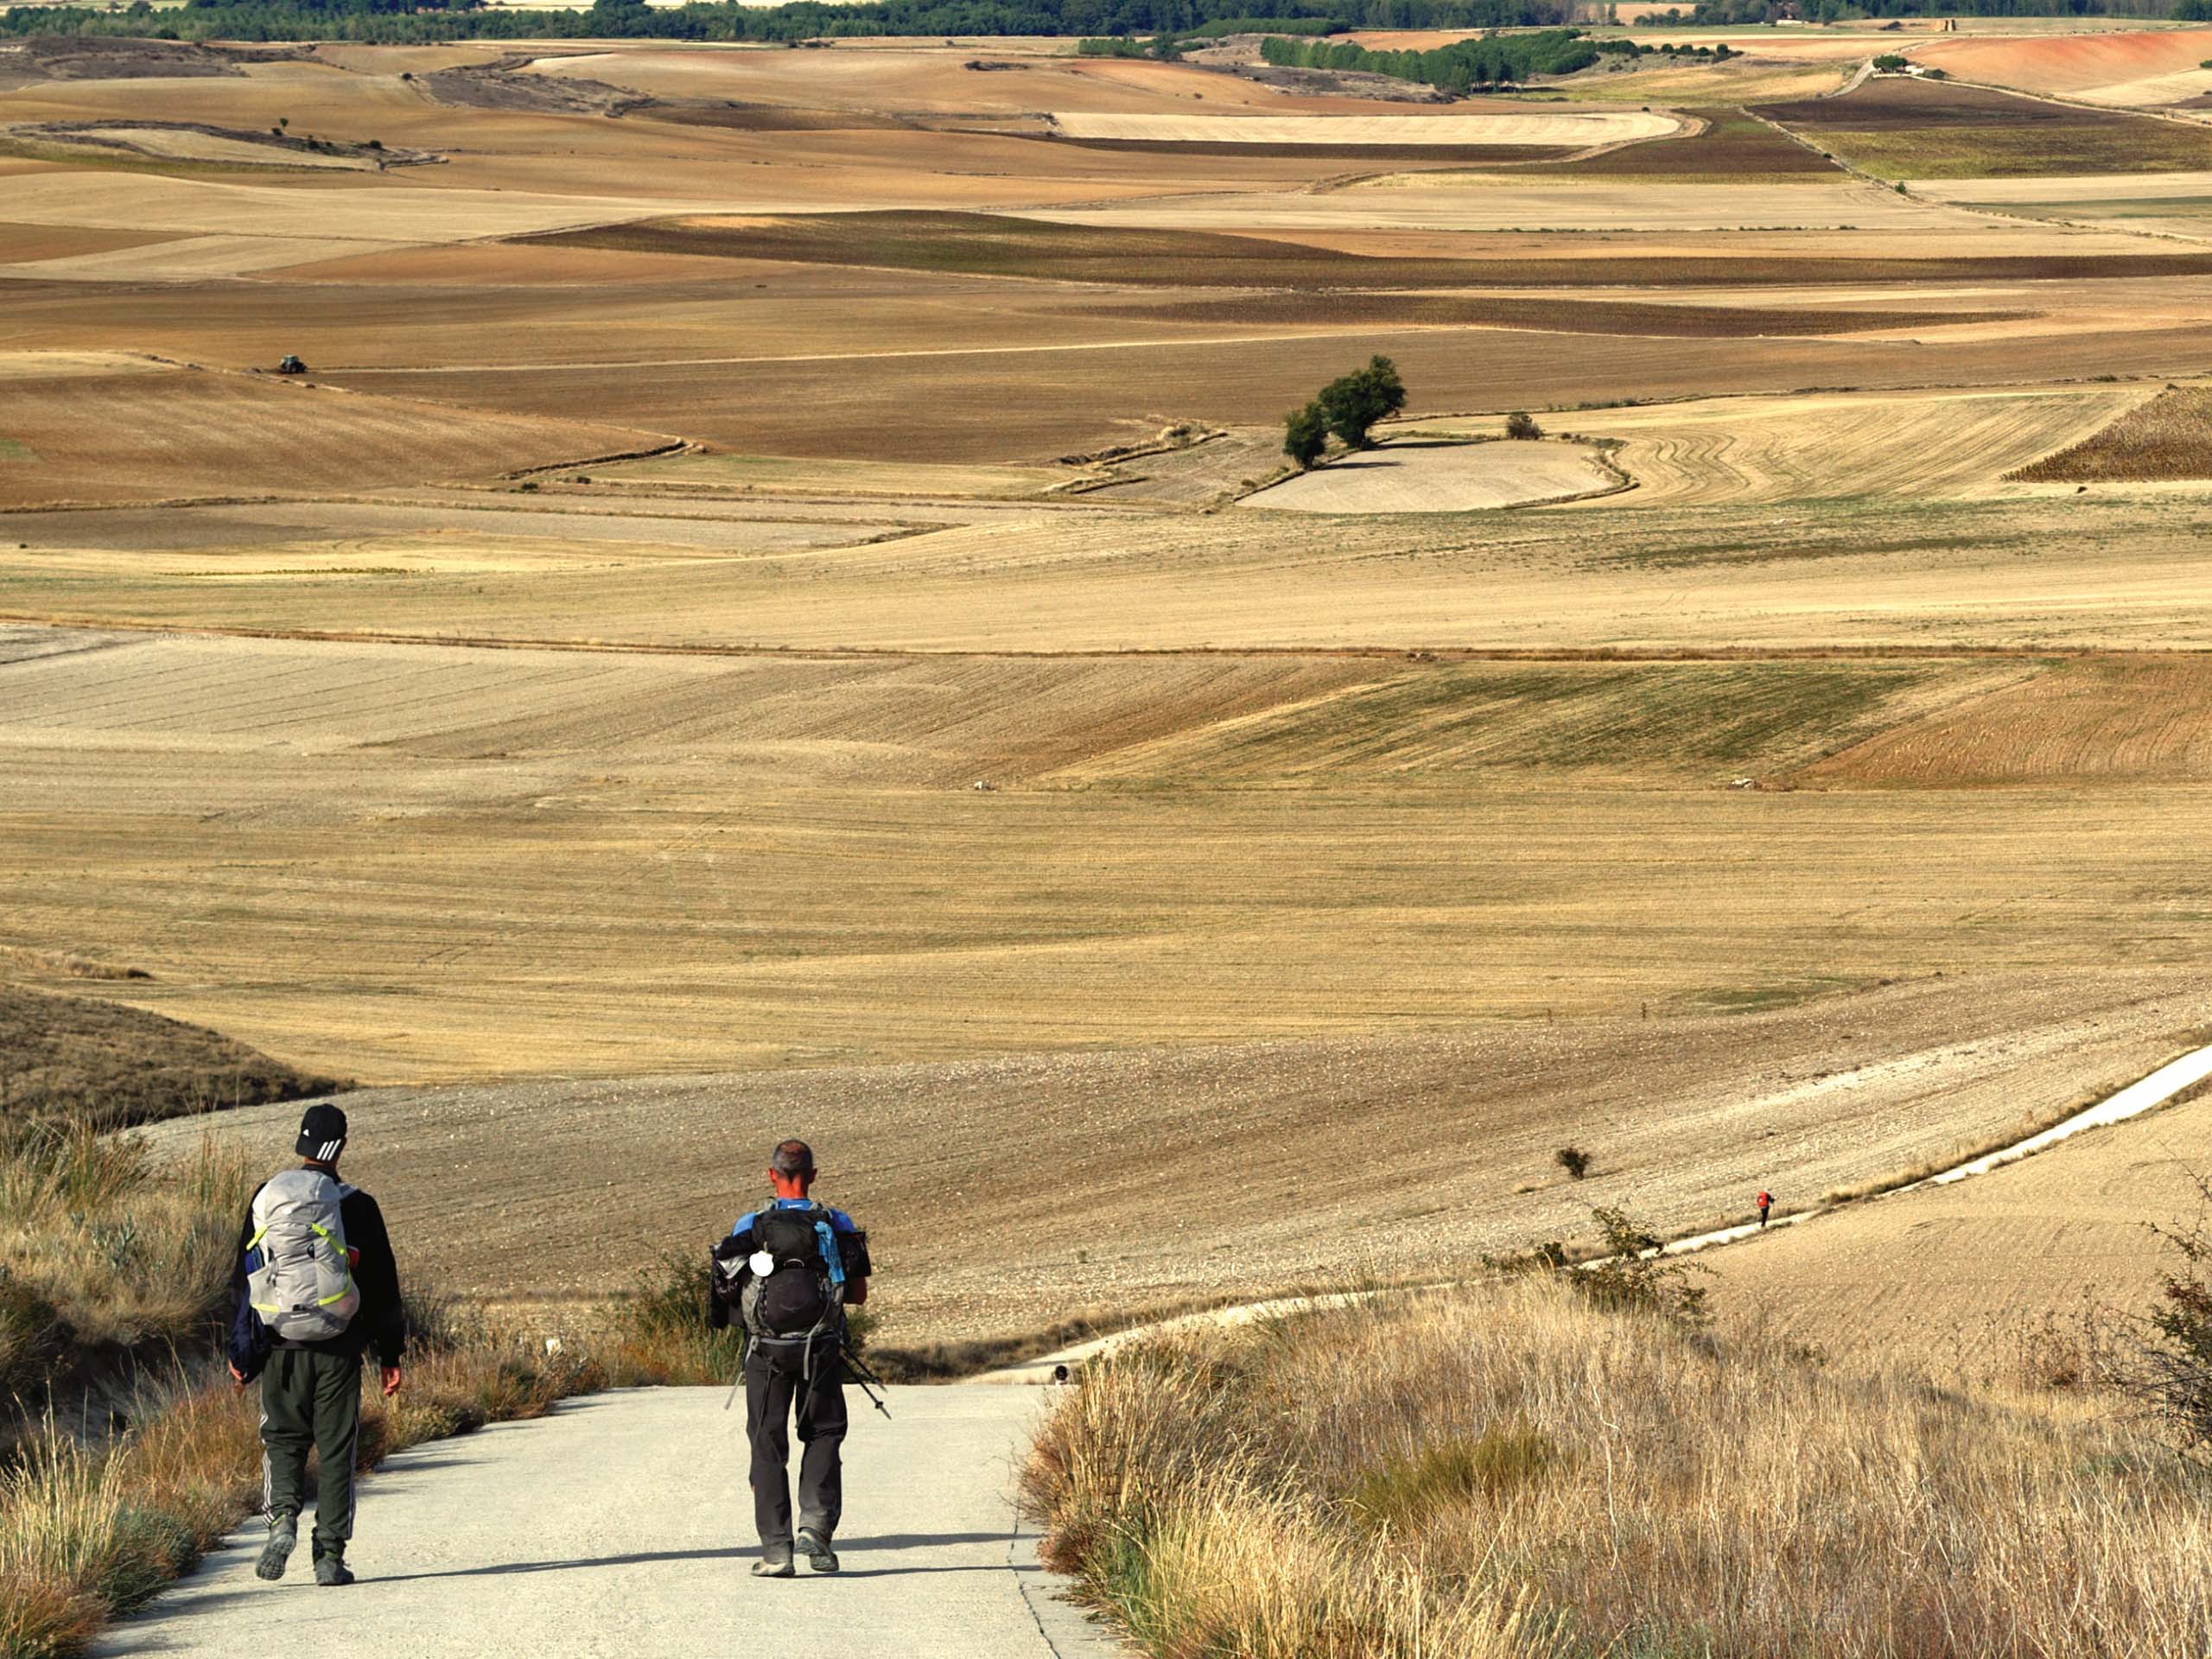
(923, 747)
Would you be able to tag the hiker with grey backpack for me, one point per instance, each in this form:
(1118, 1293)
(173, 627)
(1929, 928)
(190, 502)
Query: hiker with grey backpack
(787, 1273)
(314, 1288)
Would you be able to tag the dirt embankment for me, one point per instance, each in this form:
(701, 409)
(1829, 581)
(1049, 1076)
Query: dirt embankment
(92, 57)
(500, 84)
(199, 141)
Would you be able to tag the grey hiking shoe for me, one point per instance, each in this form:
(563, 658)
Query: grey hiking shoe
(820, 1558)
(331, 1571)
(283, 1538)
(773, 1566)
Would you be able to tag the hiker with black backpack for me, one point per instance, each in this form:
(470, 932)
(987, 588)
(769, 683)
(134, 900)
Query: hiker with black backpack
(789, 1271)
(314, 1288)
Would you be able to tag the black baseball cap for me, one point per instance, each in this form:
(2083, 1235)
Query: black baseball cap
(323, 1133)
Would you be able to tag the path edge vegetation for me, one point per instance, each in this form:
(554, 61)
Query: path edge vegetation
(1566, 1464)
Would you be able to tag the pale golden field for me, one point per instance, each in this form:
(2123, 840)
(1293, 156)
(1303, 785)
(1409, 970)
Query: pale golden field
(764, 614)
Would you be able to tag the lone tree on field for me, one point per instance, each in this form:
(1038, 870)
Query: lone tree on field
(1347, 407)
(1305, 434)
(1357, 400)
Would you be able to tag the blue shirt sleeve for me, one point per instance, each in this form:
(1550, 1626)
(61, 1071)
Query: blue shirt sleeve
(842, 1223)
(744, 1223)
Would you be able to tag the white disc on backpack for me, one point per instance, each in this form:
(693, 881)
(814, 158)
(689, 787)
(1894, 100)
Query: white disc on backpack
(762, 1264)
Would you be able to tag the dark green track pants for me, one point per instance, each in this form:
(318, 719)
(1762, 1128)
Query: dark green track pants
(310, 1400)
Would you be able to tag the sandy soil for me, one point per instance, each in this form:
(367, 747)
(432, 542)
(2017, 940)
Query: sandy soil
(1411, 476)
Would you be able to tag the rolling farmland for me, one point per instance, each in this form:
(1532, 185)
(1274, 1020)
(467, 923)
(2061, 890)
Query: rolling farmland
(777, 599)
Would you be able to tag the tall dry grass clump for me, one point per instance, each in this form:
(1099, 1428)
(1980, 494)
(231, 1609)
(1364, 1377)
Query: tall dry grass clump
(102, 1249)
(1514, 1470)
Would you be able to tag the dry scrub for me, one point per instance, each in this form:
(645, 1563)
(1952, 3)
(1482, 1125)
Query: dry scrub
(1511, 1472)
(2170, 436)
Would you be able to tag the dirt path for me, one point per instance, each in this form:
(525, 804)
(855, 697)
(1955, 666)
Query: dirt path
(2175, 1078)
(621, 1526)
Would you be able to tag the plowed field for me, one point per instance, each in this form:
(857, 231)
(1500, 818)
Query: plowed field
(2143, 68)
(122, 430)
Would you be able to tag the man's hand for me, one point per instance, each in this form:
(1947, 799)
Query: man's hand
(392, 1378)
(238, 1378)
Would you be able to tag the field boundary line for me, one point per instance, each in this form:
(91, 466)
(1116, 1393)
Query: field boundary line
(1627, 654)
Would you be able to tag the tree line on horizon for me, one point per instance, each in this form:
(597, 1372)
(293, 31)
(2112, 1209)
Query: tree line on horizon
(408, 22)
(414, 22)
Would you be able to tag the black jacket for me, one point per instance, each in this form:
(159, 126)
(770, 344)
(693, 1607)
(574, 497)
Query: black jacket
(381, 1321)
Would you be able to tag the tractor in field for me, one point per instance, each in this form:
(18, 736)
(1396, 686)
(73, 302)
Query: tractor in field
(290, 364)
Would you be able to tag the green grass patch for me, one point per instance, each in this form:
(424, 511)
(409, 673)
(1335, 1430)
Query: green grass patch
(12, 450)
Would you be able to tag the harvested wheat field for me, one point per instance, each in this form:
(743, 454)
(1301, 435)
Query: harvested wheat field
(1989, 1278)
(2168, 436)
(1545, 129)
(470, 842)
(2081, 722)
(2023, 575)
(1411, 474)
(1919, 446)
(1686, 1117)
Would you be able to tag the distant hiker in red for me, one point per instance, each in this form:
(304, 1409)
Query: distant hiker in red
(1765, 1203)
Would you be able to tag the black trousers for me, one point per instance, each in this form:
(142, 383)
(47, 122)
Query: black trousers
(773, 1399)
(311, 1400)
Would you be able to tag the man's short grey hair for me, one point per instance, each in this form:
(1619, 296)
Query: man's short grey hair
(791, 1159)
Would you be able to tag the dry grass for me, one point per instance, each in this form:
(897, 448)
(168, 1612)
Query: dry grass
(87, 1532)
(104, 1255)
(113, 1066)
(2169, 437)
(1509, 1471)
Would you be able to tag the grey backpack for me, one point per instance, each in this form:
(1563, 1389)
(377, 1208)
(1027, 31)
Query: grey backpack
(299, 1275)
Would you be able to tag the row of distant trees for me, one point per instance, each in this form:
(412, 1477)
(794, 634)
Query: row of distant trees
(1462, 65)
(1713, 14)
(379, 21)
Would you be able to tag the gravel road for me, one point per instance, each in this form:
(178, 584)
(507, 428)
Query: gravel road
(621, 1526)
